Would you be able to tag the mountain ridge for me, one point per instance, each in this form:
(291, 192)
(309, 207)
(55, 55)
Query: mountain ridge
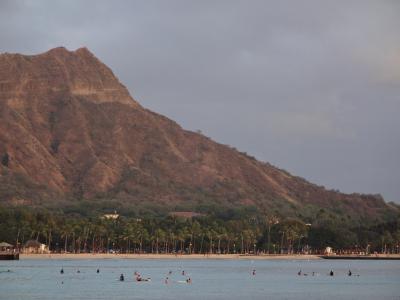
(70, 130)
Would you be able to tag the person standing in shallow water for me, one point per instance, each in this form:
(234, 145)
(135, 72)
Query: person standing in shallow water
(349, 273)
(331, 273)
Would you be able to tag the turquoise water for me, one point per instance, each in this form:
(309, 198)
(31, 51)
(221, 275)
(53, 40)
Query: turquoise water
(212, 279)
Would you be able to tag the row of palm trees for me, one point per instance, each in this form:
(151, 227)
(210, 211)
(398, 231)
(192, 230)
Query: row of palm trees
(168, 235)
(263, 233)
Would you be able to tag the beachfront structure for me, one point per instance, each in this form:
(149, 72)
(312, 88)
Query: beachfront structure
(35, 247)
(113, 216)
(6, 247)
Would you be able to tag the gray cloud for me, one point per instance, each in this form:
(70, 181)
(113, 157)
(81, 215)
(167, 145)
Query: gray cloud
(311, 86)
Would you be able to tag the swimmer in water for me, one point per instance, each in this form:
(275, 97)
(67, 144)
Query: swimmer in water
(299, 273)
(98, 271)
(189, 280)
(254, 272)
(349, 273)
(62, 271)
(166, 280)
(183, 273)
(121, 277)
(331, 273)
(78, 271)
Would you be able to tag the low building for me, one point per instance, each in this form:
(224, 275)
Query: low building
(185, 214)
(113, 216)
(35, 247)
(6, 247)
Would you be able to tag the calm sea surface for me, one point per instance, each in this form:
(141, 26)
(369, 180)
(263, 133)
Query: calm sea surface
(212, 279)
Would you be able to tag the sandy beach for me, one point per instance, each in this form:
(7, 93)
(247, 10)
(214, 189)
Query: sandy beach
(163, 256)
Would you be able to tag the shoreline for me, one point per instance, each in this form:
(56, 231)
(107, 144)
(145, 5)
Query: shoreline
(167, 256)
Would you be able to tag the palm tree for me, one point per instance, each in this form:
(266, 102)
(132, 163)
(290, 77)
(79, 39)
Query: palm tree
(65, 233)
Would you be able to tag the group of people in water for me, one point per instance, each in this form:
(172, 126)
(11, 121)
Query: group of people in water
(167, 280)
(139, 277)
(331, 273)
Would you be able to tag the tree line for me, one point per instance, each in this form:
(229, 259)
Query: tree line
(250, 234)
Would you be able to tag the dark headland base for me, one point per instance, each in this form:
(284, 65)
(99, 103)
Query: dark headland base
(363, 257)
(9, 256)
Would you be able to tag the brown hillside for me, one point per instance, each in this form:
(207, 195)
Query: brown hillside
(69, 129)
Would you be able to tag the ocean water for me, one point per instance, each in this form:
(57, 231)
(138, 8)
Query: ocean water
(211, 279)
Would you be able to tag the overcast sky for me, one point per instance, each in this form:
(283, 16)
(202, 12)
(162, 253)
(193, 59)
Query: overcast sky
(310, 86)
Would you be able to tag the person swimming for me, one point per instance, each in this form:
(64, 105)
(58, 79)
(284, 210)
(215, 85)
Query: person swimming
(62, 271)
(331, 273)
(254, 272)
(183, 273)
(166, 280)
(189, 280)
(121, 277)
(299, 273)
(139, 278)
(78, 271)
(98, 271)
(349, 273)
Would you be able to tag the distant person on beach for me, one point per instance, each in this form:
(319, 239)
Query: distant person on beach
(331, 273)
(349, 273)
(121, 277)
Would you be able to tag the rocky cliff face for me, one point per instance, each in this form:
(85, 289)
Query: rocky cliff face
(69, 129)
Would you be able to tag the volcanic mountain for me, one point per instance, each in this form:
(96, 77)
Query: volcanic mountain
(69, 130)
